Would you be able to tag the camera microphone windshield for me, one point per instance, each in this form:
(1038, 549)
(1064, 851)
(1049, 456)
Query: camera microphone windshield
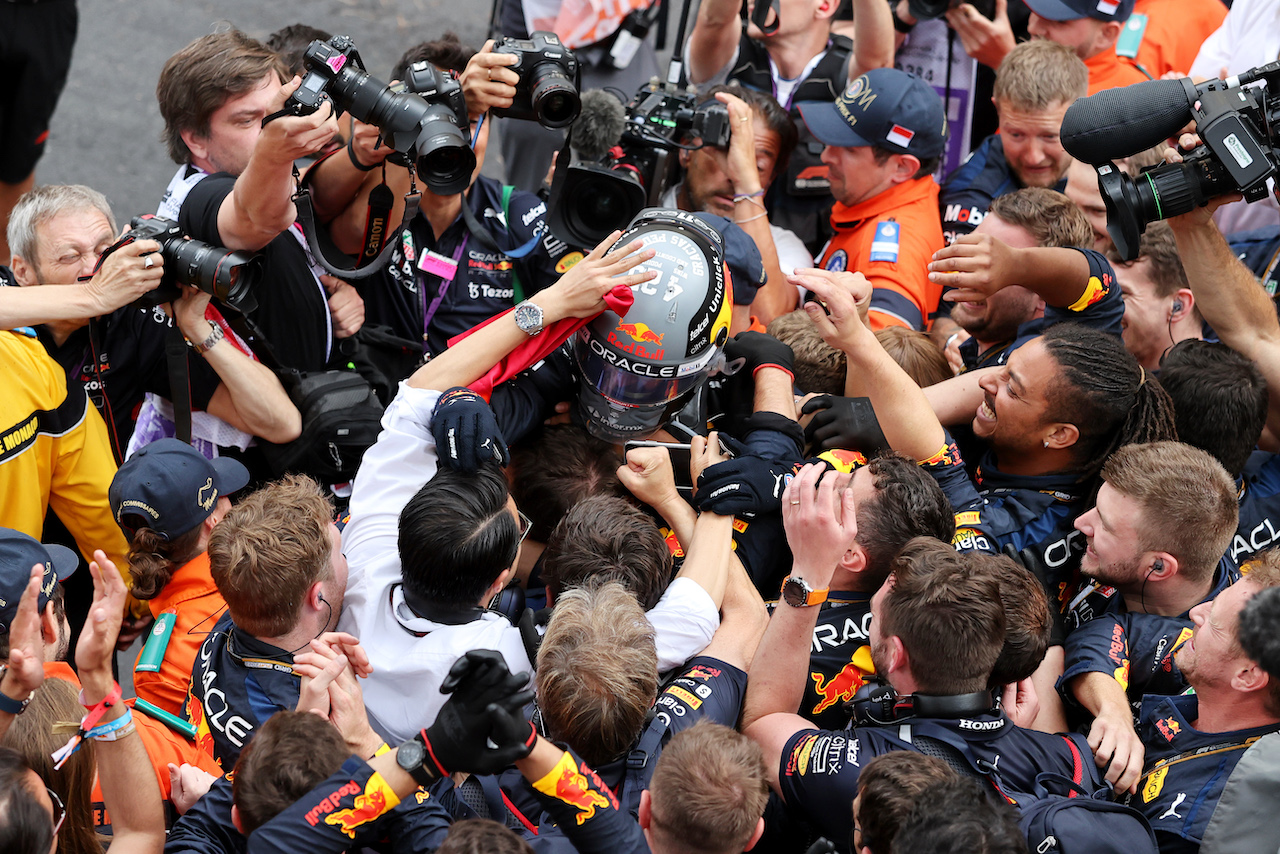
(599, 125)
(1118, 123)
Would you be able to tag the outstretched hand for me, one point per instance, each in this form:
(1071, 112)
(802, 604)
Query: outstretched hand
(580, 292)
(484, 692)
(26, 648)
(977, 266)
(101, 628)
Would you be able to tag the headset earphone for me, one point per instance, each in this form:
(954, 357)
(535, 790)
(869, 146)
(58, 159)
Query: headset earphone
(878, 704)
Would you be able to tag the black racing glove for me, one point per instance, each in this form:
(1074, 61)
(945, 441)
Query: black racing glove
(466, 431)
(743, 486)
(758, 350)
(846, 423)
(1032, 562)
(484, 693)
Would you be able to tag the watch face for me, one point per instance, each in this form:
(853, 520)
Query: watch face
(529, 318)
(795, 593)
(410, 755)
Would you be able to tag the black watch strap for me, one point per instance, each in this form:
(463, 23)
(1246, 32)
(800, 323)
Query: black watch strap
(414, 759)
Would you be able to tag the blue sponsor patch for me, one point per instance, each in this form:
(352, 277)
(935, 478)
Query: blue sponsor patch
(884, 246)
(838, 262)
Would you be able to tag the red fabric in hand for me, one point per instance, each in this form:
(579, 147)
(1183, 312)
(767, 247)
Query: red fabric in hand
(538, 347)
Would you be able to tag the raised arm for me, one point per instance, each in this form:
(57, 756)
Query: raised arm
(579, 293)
(902, 409)
(820, 524)
(714, 38)
(978, 266)
(873, 37)
(129, 787)
(261, 205)
(1230, 298)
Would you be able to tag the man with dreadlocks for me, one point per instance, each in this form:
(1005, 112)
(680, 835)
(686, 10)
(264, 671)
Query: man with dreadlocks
(1050, 417)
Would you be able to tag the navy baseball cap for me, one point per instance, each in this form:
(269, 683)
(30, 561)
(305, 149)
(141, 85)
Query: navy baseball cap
(171, 487)
(884, 107)
(18, 553)
(746, 267)
(1071, 10)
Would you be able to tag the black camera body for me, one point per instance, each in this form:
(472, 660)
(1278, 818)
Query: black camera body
(590, 200)
(429, 125)
(549, 76)
(924, 10)
(1236, 122)
(229, 276)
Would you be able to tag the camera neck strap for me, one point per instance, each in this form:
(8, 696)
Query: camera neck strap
(321, 244)
(175, 355)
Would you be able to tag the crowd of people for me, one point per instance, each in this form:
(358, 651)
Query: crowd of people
(863, 496)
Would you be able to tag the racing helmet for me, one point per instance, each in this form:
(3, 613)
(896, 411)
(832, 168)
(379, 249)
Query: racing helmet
(638, 371)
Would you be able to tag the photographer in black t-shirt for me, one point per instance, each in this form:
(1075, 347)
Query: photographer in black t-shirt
(235, 184)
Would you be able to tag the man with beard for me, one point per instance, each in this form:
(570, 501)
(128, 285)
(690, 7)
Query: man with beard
(1194, 741)
(1013, 314)
(1163, 519)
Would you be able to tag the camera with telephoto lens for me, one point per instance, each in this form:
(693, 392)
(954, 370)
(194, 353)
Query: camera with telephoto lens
(926, 10)
(228, 276)
(429, 125)
(589, 200)
(548, 89)
(1239, 150)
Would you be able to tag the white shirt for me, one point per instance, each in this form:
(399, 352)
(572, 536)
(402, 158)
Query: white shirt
(410, 655)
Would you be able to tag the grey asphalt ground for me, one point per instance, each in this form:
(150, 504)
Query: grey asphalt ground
(106, 131)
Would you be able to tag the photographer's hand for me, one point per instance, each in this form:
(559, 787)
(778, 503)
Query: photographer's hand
(487, 82)
(989, 42)
(188, 312)
(124, 276)
(365, 145)
(288, 138)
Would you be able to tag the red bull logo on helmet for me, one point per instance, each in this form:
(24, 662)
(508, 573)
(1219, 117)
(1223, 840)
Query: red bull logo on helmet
(640, 335)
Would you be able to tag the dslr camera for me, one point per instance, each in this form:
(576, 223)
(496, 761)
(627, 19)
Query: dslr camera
(227, 276)
(924, 10)
(549, 73)
(590, 200)
(1240, 147)
(427, 125)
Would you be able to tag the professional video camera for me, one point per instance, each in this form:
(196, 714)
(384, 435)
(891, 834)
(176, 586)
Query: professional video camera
(228, 276)
(548, 89)
(627, 158)
(428, 125)
(1240, 146)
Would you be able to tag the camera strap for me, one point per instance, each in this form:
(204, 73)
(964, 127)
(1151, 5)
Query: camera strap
(321, 247)
(381, 200)
(175, 354)
(760, 13)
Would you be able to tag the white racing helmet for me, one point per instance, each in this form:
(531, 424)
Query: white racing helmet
(638, 371)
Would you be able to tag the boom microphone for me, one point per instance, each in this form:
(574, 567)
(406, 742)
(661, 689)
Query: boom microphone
(1118, 123)
(599, 126)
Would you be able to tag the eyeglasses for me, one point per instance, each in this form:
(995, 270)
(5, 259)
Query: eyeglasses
(59, 811)
(525, 526)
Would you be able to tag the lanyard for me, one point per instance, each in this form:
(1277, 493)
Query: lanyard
(435, 264)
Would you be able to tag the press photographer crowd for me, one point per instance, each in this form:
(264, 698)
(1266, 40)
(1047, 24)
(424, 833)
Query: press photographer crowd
(856, 436)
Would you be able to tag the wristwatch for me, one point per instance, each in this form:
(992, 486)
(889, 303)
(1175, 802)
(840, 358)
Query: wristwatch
(529, 318)
(797, 593)
(207, 344)
(411, 757)
(9, 704)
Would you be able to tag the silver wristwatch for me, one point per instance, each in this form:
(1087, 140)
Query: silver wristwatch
(529, 318)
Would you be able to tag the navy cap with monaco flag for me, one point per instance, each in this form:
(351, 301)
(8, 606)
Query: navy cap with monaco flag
(885, 107)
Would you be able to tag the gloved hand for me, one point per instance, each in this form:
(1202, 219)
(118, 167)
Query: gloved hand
(743, 486)
(758, 350)
(485, 693)
(466, 431)
(846, 423)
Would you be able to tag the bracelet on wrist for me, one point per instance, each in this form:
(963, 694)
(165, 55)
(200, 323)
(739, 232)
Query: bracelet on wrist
(742, 197)
(208, 343)
(110, 731)
(89, 723)
(751, 218)
(351, 153)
